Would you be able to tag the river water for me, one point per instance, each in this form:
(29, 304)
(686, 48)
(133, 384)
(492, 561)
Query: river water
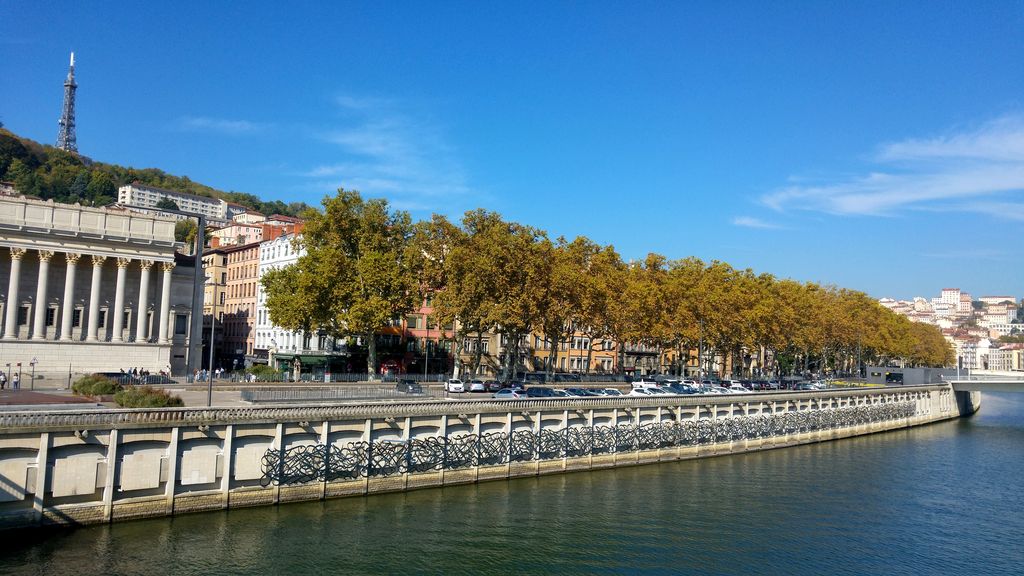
(941, 499)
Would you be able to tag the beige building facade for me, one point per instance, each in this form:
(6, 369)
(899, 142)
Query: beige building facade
(90, 290)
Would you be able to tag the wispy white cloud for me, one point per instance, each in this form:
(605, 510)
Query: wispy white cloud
(979, 170)
(751, 222)
(385, 151)
(218, 125)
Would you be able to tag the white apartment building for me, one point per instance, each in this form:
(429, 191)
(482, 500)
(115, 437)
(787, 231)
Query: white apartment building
(951, 296)
(275, 254)
(973, 354)
(141, 196)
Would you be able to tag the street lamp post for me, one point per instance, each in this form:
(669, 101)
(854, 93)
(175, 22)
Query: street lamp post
(32, 382)
(213, 322)
(426, 349)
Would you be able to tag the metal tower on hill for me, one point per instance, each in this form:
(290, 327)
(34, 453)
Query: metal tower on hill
(66, 136)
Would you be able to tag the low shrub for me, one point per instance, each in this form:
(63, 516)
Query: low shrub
(95, 385)
(264, 373)
(135, 397)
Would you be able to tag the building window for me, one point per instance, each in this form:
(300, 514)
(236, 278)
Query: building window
(126, 319)
(23, 315)
(51, 316)
(76, 318)
(180, 324)
(103, 318)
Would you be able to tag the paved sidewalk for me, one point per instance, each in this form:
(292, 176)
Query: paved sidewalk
(24, 397)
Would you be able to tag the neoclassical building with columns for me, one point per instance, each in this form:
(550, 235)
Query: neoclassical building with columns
(90, 290)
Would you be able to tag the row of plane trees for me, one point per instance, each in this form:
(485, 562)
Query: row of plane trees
(366, 264)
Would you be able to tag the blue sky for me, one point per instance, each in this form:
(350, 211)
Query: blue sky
(877, 146)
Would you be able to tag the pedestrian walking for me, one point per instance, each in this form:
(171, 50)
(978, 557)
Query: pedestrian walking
(3, 380)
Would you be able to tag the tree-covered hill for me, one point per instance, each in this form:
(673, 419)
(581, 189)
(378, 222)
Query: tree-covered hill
(48, 172)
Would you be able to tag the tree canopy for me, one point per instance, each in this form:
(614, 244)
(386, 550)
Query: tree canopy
(358, 273)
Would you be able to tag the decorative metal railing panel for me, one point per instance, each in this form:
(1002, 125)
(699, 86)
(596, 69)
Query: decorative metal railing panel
(304, 464)
(100, 419)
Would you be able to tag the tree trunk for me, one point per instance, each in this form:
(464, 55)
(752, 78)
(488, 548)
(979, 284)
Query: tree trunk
(371, 354)
(553, 353)
(477, 354)
(590, 356)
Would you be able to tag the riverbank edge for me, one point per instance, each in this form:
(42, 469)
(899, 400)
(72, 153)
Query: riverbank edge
(935, 404)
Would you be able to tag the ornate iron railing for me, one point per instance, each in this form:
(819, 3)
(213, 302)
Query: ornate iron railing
(323, 463)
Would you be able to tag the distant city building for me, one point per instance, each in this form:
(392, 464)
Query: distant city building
(147, 197)
(249, 217)
(991, 300)
(236, 234)
(951, 296)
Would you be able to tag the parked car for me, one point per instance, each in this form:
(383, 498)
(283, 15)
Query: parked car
(641, 391)
(644, 382)
(492, 385)
(540, 392)
(509, 394)
(477, 386)
(613, 392)
(454, 385)
(560, 393)
(409, 387)
(681, 388)
(738, 388)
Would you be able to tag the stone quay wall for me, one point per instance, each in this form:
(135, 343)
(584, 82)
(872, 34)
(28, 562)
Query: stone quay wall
(95, 466)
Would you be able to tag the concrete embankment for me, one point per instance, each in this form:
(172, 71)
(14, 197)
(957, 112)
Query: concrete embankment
(93, 466)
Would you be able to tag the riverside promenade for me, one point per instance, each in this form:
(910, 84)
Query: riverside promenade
(94, 466)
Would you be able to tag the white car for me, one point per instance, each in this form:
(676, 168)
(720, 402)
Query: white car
(477, 386)
(613, 392)
(509, 394)
(641, 392)
(738, 389)
(454, 385)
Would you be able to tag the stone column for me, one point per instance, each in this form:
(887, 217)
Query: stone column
(94, 299)
(11, 316)
(39, 323)
(67, 315)
(141, 334)
(165, 304)
(122, 269)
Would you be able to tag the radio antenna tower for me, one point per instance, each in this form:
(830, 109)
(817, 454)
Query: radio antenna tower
(66, 136)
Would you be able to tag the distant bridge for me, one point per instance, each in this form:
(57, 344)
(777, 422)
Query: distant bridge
(988, 383)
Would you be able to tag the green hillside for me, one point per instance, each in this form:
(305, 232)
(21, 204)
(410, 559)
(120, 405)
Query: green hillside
(48, 172)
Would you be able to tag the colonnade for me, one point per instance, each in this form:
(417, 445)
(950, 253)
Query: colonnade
(115, 314)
